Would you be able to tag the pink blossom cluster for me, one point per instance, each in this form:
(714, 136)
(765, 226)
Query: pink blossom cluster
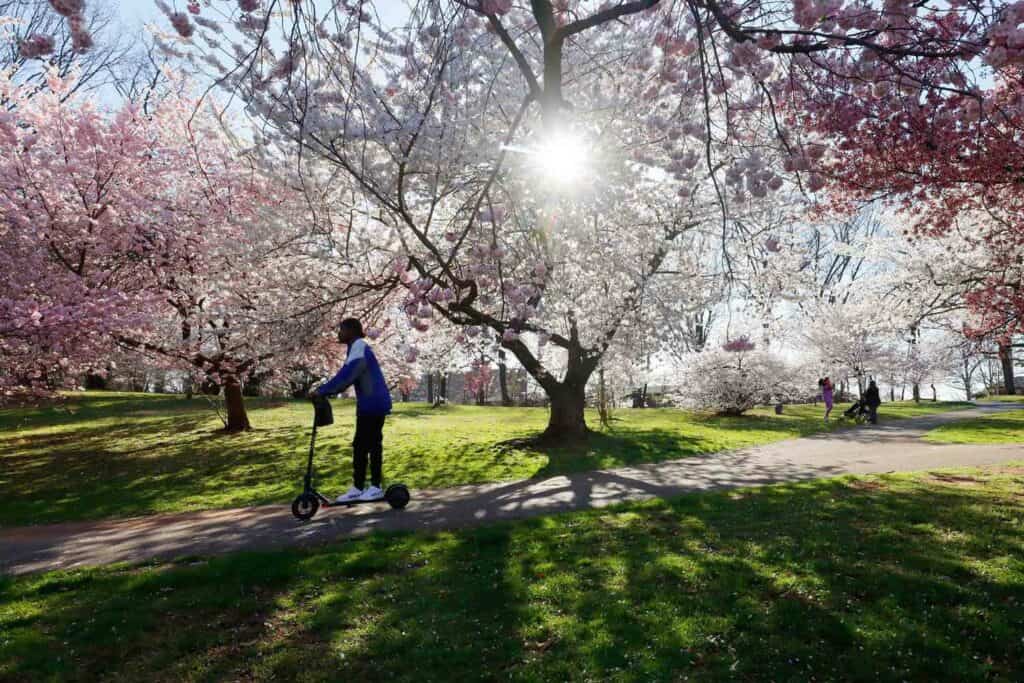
(182, 24)
(74, 12)
(1006, 39)
(36, 46)
(68, 8)
(81, 39)
(423, 295)
(407, 384)
(754, 175)
(738, 345)
(497, 7)
(479, 378)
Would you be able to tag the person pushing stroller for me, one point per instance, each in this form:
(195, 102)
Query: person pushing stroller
(872, 400)
(373, 404)
(866, 407)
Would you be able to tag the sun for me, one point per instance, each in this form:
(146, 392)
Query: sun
(561, 158)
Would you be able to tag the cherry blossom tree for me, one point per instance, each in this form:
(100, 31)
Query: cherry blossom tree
(541, 215)
(944, 144)
(97, 212)
(737, 377)
(852, 339)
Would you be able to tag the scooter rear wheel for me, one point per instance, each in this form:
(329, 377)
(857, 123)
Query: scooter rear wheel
(397, 496)
(305, 506)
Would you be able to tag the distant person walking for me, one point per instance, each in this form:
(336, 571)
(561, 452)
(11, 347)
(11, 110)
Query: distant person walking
(826, 395)
(872, 400)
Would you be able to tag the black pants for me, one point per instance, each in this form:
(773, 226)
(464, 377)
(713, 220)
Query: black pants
(873, 414)
(368, 443)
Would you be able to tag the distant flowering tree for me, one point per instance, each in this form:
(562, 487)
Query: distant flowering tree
(925, 363)
(852, 339)
(407, 385)
(479, 380)
(737, 377)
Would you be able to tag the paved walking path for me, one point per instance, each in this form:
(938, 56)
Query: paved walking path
(894, 446)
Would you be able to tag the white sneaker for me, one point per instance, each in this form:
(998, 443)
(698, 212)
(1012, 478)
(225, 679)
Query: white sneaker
(350, 495)
(372, 493)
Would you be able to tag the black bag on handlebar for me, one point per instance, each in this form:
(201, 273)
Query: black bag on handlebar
(324, 414)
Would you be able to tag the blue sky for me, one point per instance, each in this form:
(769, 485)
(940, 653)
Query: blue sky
(137, 13)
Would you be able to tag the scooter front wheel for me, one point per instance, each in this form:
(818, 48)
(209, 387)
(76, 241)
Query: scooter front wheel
(305, 506)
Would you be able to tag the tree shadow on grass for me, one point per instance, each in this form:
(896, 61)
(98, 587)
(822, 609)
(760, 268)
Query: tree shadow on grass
(624, 447)
(136, 467)
(383, 608)
(782, 584)
(418, 410)
(837, 580)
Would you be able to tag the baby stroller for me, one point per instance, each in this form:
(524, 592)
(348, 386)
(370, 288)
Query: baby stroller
(858, 412)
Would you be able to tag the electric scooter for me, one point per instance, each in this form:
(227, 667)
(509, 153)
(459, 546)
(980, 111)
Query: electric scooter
(307, 503)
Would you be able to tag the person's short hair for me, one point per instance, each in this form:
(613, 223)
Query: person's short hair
(354, 325)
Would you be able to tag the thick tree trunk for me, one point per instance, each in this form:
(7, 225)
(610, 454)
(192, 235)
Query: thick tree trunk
(95, 382)
(935, 395)
(506, 400)
(430, 387)
(603, 411)
(566, 421)
(892, 393)
(238, 420)
(916, 392)
(1006, 361)
(967, 376)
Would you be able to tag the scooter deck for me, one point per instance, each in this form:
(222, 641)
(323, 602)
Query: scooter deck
(351, 503)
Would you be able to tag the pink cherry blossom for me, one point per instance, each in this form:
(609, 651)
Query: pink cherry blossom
(182, 24)
(68, 8)
(36, 46)
(738, 345)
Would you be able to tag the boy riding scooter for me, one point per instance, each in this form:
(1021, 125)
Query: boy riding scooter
(373, 404)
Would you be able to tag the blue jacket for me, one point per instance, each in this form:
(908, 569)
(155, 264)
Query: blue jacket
(362, 370)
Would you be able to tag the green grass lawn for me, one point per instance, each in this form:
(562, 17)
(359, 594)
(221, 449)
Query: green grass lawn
(894, 578)
(1005, 427)
(1015, 398)
(110, 454)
